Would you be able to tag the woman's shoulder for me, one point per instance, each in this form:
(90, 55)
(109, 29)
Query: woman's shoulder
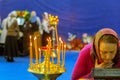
(85, 51)
(87, 47)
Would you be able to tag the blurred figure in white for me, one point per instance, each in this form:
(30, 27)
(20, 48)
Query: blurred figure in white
(4, 31)
(46, 29)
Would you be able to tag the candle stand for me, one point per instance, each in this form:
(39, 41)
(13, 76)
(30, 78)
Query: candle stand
(47, 70)
(45, 66)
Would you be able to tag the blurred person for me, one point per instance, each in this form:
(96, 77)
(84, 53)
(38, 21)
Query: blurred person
(46, 29)
(31, 26)
(35, 23)
(4, 31)
(11, 47)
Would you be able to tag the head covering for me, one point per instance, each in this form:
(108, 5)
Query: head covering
(97, 37)
(12, 14)
(33, 17)
(11, 18)
(46, 15)
(33, 13)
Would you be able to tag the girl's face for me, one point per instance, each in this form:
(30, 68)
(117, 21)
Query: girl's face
(108, 51)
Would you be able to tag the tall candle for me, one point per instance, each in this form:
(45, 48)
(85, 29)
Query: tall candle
(31, 50)
(48, 54)
(56, 32)
(51, 52)
(64, 55)
(48, 47)
(58, 56)
(59, 50)
(36, 49)
(62, 46)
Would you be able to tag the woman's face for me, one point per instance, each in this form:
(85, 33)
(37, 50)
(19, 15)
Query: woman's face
(108, 51)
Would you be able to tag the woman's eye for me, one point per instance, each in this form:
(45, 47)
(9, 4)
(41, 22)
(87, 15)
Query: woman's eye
(111, 51)
(104, 52)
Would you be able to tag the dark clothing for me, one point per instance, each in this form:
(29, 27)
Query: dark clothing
(23, 42)
(34, 27)
(44, 38)
(11, 48)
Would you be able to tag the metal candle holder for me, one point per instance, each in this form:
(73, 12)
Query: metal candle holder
(45, 68)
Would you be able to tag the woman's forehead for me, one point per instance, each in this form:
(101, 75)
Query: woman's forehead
(107, 46)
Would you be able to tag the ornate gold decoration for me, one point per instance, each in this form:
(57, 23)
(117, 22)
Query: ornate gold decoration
(48, 67)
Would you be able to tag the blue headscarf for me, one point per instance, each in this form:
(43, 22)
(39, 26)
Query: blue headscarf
(33, 19)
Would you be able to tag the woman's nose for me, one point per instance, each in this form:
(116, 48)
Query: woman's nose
(108, 56)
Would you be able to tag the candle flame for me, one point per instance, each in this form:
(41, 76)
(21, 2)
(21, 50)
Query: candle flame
(35, 38)
(30, 37)
(39, 49)
(64, 45)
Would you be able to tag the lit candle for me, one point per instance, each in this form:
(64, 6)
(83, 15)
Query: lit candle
(36, 49)
(59, 50)
(64, 55)
(56, 32)
(62, 45)
(30, 50)
(58, 55)
(48, 47)
(48, 54)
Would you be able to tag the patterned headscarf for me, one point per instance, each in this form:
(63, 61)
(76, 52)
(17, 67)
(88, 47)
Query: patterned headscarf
(99, 34)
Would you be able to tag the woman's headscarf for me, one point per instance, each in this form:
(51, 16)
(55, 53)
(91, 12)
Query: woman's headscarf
(99, 34)
(33, 17)
(11, 18)
(46, 15)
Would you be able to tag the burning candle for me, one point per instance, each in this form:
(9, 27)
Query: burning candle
(56, 33)
(36, 49)
(64, 53)
(30, 50)
(62, 45)
(59, 50)
(48, 54)
(58, 55)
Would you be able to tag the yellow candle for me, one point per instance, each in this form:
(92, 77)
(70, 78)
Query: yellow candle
(62, 46)
(58, 56)
(56, 32)
(59, 50)
(64, 54)
(48, 47)
(48, 55)
(30, 50)
(36, 49)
